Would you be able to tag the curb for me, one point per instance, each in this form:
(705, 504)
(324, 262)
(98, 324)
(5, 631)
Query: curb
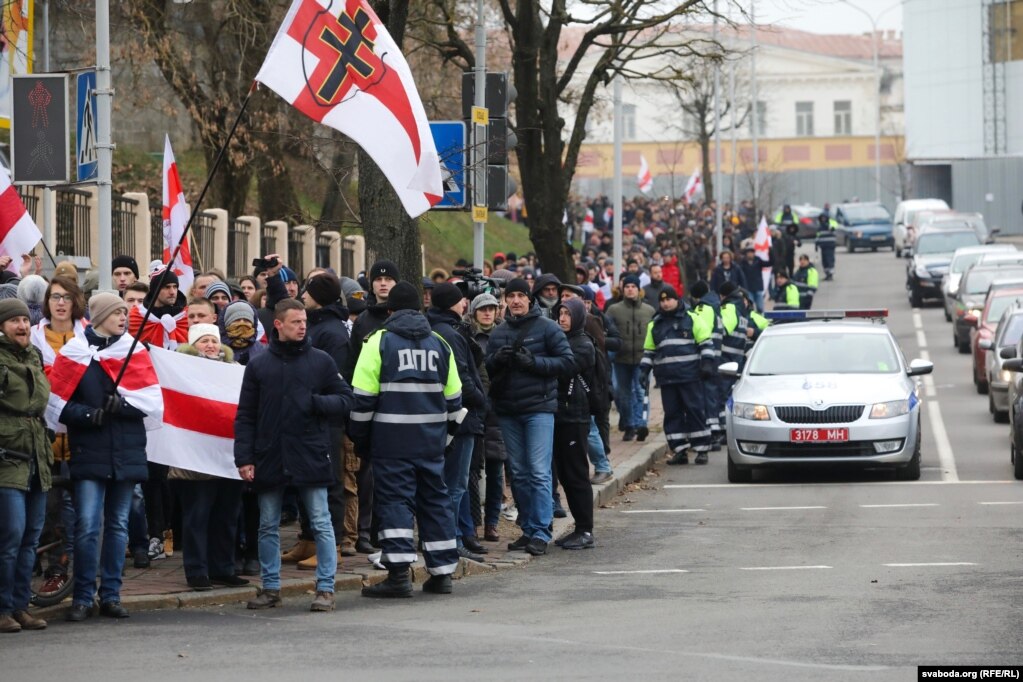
(628, 472)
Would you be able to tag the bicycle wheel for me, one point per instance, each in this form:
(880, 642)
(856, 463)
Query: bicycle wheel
(51, 586)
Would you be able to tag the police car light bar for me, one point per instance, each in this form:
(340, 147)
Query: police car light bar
(801, 315)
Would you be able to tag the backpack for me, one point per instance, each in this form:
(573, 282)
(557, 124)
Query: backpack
(599, 393)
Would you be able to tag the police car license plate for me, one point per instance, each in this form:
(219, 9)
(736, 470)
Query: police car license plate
(818, 435)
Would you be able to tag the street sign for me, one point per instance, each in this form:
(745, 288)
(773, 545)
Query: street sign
(449, 138)
(87, 156)
(39, 130)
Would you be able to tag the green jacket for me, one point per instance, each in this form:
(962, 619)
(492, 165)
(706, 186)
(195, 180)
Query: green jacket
(631, 318)
(24, 391)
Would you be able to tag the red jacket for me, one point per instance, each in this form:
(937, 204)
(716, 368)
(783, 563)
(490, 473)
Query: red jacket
(672, 275)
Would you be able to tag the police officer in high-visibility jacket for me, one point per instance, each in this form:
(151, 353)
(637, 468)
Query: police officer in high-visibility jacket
(807, 279)
(742, 326)
(825, 242)
(707, 305)
(407, 401)
(680, 352)
(786, 294)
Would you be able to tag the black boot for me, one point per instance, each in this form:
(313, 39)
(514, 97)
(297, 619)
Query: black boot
(438, 584)
(397, 585)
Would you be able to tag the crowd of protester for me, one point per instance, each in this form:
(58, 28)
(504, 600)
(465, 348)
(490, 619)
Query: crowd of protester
(362, 403)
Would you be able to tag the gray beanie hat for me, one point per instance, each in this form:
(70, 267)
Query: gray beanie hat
(32, 289)
(482, 301)
(350, 289)
(9, 290)
(239, 310)
(12, 307)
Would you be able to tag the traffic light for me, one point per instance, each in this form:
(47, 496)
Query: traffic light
(501, 140)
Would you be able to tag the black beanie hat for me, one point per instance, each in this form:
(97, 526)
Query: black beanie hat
(169, 277)
(700, 289)
(384, 268)
(518, 284)
(667, 292)
(445, 295)
(324, 288)
(727, 288)
(403, 296)
(125, 262)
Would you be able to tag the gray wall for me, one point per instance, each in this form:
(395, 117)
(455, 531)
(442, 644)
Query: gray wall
(973, 180)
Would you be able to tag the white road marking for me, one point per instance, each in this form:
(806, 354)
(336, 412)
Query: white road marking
(994, 503)
(661, 511)
(777, 508)
(936, 563)
(918, 321)
(687, 486)
(779, 568)
(945, 456)
(884, 506)
(646, 572)
(921, 340)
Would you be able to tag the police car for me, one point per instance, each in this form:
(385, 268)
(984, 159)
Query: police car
(827, 387)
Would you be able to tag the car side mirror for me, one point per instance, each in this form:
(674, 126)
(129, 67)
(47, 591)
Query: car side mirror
(1007, 353)
(985, 344)
(1013, 365)
(729, 369)
(918, 367)
(907, 252)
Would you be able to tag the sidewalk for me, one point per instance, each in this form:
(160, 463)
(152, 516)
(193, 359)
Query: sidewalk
(162, 586)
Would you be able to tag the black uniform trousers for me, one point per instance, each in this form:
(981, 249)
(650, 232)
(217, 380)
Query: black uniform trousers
(685, 421)
(573, 467)
(407, 490)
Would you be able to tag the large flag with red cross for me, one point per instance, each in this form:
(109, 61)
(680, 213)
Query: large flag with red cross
(334, 61)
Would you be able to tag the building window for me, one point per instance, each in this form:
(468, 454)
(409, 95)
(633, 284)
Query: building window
(629, 121)
(804, 119)
(761, 119)
(843, 118)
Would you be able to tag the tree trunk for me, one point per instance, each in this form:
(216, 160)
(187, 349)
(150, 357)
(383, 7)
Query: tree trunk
(389, 231)
(336, 210)
(277, 197)
(708, 177)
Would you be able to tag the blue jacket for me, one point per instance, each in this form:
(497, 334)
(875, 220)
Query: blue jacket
(520, 391)
(450, 327)
(753, 273)
(117, 449)
(290, 397)
(407, 391)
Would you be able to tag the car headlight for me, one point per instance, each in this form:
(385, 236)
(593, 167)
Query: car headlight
(751, 411)
(1005, 375)
(974, 313)
(892, 408)
(923, 273)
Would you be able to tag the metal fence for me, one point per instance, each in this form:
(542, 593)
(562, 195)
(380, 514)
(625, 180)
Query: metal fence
(122, 222)
(74, 222)
(31, 202)
(267, 241)
(156, 225)
(238, 247)
(202, 233)
(296, 240)
(322, 251)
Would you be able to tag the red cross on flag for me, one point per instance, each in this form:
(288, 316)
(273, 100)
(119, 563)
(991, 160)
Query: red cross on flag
(694, 186)
(645, 179)
(334, 61)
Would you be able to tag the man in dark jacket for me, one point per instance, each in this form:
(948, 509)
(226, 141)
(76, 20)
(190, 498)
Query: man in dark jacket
(525, 356)
(545, 294)
(445, 318)
(409, 400)
(652, 291)
(752, 271)
(383, 276)
(572, 424)
(107, 436)
(289, 398)
(727, 271)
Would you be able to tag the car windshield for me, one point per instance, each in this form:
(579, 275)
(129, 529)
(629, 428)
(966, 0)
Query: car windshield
(861, 214)
(945, 242)
(979, 281)
(999, 305)
(1013, 331)
(824, 353)
(965, 260)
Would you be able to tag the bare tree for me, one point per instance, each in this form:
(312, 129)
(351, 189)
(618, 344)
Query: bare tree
(635, 39)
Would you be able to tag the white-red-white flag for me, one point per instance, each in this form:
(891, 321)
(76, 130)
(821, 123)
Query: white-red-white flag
(694, 186)
(18, 232)
(644, 178)
(200, 401)
(588, 221)
(609, 214)
(138, 386)
(175, 217)
(762, 241)
(336, 63)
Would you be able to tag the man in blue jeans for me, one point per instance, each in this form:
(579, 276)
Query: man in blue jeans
(289, 399)
(524, 357)
(631, 315)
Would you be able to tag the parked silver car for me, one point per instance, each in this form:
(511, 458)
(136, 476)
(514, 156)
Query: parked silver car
(829, 389)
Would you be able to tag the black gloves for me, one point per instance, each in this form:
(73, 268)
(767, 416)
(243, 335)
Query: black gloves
(524, 359)
(503, 357)
(97, 417)
(112, 404)
(707, 371)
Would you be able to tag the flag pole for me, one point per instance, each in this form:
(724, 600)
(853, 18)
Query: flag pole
(156, 286)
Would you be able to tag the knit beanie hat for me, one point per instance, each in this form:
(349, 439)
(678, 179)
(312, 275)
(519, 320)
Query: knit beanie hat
(630, 279)
(351, 290)
(403, 296)
(384, 268)
(155, 266)
(239, 310)
(667, 292)
(699, 289)
(727, 288)
(482, 301)
(288, 275)
(8, 291)
(125, 262)
(517, 285)
(170, 277)
(104, 304)
(32, 289)
(66, 269)
(445, 295)
(324, 288)
(216, 287)
(197, 331)
(12, 307)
